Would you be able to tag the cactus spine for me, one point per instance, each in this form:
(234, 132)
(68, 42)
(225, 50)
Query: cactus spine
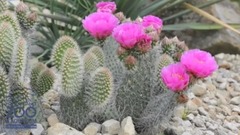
(100, 89)
(4, 91)
(7, 43)
(3, 5)
(71, 73)
(60, 48)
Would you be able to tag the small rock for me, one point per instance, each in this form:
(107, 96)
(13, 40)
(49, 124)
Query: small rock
(38, 130)
(92, 129)
(208, 133)
(199, 122)
(62, 129)
(56, 108)
(179, 111)
(111, 127)
(236, 109)
(127, 127)
(231, 126)
(219, 56)
(202, 111)
(235, 100)
(52, 119)
(223, 86)
(197, 101)
(198, 90)
(186, 123)
(191, 106)
(190, 116)
(186, 133)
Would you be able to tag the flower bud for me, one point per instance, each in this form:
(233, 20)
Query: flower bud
(121, 17)
(130, 62)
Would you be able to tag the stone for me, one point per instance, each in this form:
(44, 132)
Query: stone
(179, 111)
(236, 109)
(38, 130)
(92, 129)
(52, 119)
(202, 111)
(62, 129)
(235, 100)
(186, 123)
(111, 127)
(199, 122)
(198, 90)
(127, 127)
(186, 133)
(190, 116)
(55, 108)
(208, 133)
(223, 86)
(231, 126)
(191, 106)
(197, 101)
(220, 56)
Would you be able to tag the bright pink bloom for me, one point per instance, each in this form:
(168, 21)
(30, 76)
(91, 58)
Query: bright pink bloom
(109, 7)
(99, 24)
(128, 34)
(199, 63)
(175, 77)
(153, 21)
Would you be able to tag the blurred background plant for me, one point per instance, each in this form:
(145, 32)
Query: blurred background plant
(63, 17)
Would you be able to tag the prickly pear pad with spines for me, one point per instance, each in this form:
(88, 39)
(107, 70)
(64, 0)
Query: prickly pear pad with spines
(71, 73)
(3, 5)
(45, 82)
(4, 91)
(100, 89)
(60, 48)
(91, 62)
(7, 43)
(9, 17)
(35, 73)
(99, 53)
(19, 60)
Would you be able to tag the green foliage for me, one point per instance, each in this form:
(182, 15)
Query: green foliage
(100, 88)
(60, 48)
(7, 43)
(64, 17)
(4, 91)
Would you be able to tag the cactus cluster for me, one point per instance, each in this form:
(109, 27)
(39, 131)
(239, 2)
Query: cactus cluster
(98, 85)
(15, 92)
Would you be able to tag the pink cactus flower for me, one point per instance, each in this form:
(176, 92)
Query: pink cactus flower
(153, 21)
(175, 77)
(199, 63)
(109, 7)
(128, 34)
(100, 24)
